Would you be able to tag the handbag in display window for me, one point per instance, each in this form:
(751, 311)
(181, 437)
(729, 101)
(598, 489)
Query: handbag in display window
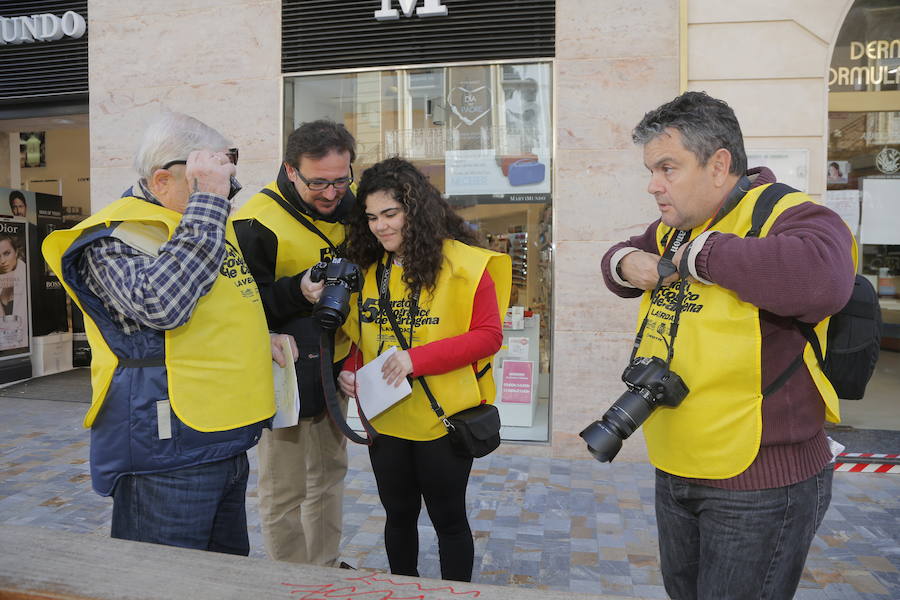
(526, 172)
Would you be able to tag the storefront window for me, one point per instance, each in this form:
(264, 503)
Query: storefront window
(482, 134)
(863, 164)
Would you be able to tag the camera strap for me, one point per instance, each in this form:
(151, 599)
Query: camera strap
(335, 413)
(300, 217)
(665, 268)
(384, 301)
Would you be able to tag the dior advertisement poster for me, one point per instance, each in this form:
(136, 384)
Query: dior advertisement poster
(43, 214)
(14, 292)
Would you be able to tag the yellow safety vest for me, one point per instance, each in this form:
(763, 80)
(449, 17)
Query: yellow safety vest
(445, 313)
(218, 363)
(298, 247)
(715, 433)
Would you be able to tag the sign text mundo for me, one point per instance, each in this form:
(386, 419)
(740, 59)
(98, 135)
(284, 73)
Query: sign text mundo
(41, 28)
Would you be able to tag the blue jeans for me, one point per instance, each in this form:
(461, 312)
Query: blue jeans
(716, 544)
(201, 507)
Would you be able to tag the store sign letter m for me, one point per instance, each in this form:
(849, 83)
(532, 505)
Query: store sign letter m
(430, 8)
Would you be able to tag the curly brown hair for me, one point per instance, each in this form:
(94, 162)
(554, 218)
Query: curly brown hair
(429, 221)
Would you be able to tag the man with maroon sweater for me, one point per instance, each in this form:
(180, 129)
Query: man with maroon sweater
(743, 478)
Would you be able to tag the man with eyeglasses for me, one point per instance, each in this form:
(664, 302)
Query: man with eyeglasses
(166, 301)
(293, 223)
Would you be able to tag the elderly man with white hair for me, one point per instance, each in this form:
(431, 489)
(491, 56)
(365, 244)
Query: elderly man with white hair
(181, 370)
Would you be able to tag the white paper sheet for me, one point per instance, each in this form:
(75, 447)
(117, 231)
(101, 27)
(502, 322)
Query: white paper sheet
(880, 211)
(846, 204)
(287, 394)
(375, 395)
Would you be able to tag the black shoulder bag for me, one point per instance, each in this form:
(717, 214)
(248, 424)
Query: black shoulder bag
(474, 432)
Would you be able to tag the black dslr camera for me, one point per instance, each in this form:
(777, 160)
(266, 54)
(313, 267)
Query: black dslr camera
(342, 278)
(650, 384)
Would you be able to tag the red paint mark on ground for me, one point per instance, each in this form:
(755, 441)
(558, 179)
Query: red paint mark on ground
(363, 589)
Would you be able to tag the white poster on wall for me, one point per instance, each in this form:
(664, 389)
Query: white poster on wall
(791, 166)
(880, 211)
(846, 204)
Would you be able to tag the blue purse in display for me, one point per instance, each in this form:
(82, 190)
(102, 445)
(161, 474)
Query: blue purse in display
(525, 172)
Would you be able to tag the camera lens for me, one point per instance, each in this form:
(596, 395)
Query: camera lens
(604, 437)
(628, 412)
(332, 308)
(602, 443)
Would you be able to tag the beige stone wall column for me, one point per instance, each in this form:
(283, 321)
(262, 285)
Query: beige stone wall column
(769, 60)
(615, 60)
(217, 61)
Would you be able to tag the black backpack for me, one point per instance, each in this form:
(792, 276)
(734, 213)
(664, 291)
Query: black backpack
(854, 332)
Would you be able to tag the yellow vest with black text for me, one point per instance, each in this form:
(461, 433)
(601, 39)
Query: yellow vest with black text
(298, 247)
(445, 313)
(715, 433)
(218, 363)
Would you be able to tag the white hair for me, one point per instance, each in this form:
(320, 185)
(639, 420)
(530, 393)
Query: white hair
(172, 136)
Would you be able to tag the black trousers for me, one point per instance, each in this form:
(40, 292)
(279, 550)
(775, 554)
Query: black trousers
(406, 472)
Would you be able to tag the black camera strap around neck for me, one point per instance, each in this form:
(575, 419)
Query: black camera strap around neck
(300, 218)
(666, 267)
(383, 274)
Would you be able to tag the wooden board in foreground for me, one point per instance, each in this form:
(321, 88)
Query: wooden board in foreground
(43, 564)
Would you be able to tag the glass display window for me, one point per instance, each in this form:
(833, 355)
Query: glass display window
(863, 161)
(482, 134)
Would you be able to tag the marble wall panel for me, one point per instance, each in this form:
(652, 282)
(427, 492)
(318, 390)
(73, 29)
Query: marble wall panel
(583, 303)
(599, 101)
(154, 50)
(585, 360)
(614, 63)
(246, 112)
(586, 381)
(219, 62)
(772, 107)
(621, 29)
(798, 53)
(821, 17)
(104, 10)
(602, 194)
(108, 183)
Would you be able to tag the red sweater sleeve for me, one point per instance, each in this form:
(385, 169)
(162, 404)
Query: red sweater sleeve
(485, 336)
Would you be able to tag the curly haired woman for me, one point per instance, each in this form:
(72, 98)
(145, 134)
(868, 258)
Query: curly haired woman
(446, 294)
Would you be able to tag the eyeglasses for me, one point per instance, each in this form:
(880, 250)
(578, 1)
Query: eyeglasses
(231, 153)
(318, 185)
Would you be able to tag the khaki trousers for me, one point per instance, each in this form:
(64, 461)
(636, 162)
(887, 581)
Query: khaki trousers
(301, 488)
